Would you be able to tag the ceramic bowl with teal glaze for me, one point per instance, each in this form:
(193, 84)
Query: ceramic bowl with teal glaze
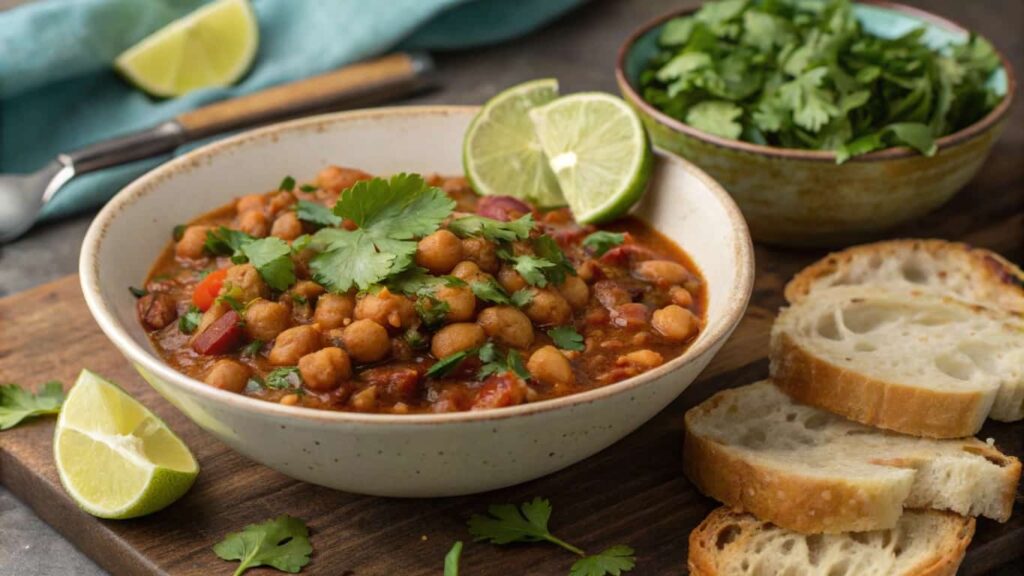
(802, 197)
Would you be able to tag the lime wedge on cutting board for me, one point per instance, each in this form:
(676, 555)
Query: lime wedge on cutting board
(598, 151)
(501, 154)
(115, 458)
(212, 46)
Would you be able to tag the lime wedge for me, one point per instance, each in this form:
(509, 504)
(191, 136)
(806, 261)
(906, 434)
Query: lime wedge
(501, 154)
(115, 458)
(599, 152)
(212, 46)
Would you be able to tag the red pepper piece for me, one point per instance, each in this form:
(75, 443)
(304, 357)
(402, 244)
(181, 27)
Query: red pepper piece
(221, 337)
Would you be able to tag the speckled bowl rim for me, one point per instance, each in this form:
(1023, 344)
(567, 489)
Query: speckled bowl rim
(738, 294)
(950, 140)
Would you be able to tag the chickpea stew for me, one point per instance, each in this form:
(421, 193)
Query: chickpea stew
(413, 295)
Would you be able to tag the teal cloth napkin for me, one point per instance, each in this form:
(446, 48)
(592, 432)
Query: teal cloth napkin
(59, 92)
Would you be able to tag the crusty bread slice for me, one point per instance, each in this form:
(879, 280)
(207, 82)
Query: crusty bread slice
(923, 543)
(807, 470)
(953, 268)
(905, 360)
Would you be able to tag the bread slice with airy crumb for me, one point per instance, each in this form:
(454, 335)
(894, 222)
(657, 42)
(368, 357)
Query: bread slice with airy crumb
(952, 268)
(905, 360)
(808, 470)
(923, 543)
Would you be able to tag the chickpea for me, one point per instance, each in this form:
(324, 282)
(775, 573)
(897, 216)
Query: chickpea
(661, 272)
(245, 278)
(456, 338)
(280, 202)
(365, 399)
(334, 310)
(192, 242)
(645, 359)
(507, 325)
(549, 366)
(389, 310)
(510, 280)
(264, 320)
(336, 178)
(461, 302)
(548, 308)
(456, 184)
(681, 296)
(250, 203)
(309, 290)
(469, 272)
(588, 271)
(228, 375)
(294, 343)
(366, 341)
(674, 322)
(482, 252)
(286, 226)
(439, 252)
(325, 369)
(253, 223)
(289, 399)
(575, 291)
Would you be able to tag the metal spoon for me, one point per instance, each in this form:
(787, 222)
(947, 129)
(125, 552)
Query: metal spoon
(22, 196)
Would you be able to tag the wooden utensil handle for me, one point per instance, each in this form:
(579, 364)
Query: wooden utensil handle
(383, 77)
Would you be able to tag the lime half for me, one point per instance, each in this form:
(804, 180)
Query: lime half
(212, 46)
(115, 458)
(599, 152)
(501, 154)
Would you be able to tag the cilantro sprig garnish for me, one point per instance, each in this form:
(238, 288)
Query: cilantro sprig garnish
(388, 214)
(567, 338)
(602, 241)
(316, 213)
(446, 365)
(495, 363)
(270, 256)
(808, 75)
(285, 378)
(491, 229)
(528, 522)
(281, 543)
(189, 321)
(451, 559)
(17, 403)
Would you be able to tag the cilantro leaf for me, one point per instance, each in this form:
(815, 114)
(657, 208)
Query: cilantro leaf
(489, 291)
(491, 229)
(227, 242)
(287, 184)
(507, 523)
(284, 378)
(451, 560)
(17, 403)
(252, 348)
(350, 260)
(316, 213)
(418, 281)
(716, 117)
(445, 365)
(189, 321)
(282, 543)
(494, 363)
(602, 241)
(272, 258)
(308, 188)
(611, 562)
(522, 298)
(532, 269)
(547, 248)
(431, 310)
(138, 292)
(567, 338)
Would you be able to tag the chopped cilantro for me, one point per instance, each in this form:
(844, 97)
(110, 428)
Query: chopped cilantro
(272, 258)
(417, 281)
(230, 297)
(388, 214)
(445, 365)
(287, 184)
(567, 338)
(316, 213)
(17, 403)
(189, 321)
(522, 298)
(451, 560)
(252, 348)
(431, 310)
(281, 543)
(415, 339)
(547, 249)
(138, 292)
(227, 242)
(532, 269)
(284, 378)
(301, 243)
(601, 241)
(491, 229)
(495, 363)
(178, 231)
(489, 291)
(299, 299)
(611, 562)
(308, 188)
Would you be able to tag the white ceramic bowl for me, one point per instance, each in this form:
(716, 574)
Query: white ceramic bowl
(396, 455)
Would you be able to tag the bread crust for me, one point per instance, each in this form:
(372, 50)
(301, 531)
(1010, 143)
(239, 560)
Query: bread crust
(995, 281)
(796, 502)
(918, 411)
(705, 553)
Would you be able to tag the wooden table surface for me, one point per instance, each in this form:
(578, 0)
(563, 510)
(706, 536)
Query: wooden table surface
(579, 50)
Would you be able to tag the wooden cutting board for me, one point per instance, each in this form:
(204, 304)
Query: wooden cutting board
(632, 493)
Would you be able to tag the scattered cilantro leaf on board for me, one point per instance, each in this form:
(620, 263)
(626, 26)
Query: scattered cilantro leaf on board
(611, 562)
(316, 213)
(189, 321)
(567, 338)
(288, 184)
(445, 365)
(388, 215)
(491, 229)
(507, 523)
(281, 543)
(451, 560)
(601, 241)
(272, 258)
(808, 75)
(17, 403)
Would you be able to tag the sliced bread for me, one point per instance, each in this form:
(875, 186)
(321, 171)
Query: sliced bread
(904, 360)
(923, 543)
(953, 268)
(808, 470)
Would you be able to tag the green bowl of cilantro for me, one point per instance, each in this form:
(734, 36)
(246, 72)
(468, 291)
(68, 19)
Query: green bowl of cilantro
(829, 122)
